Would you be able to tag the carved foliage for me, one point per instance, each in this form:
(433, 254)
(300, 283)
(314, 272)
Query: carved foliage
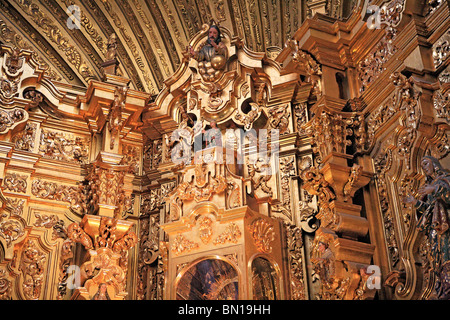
(181, 244)
(315, 184)
(10, 118)
(55, 191)
(231, 234)
(105, 186)
(24, 140)
(279, 118)
(15, 182)
(12, 70)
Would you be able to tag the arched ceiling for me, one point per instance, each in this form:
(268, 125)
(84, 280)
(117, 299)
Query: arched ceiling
(151, 33)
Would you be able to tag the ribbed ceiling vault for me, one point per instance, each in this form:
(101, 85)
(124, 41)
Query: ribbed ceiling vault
(151, 33)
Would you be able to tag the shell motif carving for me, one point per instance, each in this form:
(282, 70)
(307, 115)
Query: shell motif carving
(263, 234)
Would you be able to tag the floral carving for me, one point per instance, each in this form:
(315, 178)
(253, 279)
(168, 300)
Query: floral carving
(13, 62)
(105, 186)
(287, 170)
(329, 132)
(383, 164)
(17, 206)
(231, 234)
(15, 182)
(131, 157)
(45, 221)
(279, 118)
(55, 191)
(373, 65)
(107, 247)
(441, 103)
(24, 140)
(301, 114)
(315, 183)
(10, 118)
(35, 96)
(12, 67)
(181, 244)
(152, 154)
(11, 230)
(233, 195)
(5, 285)
(76, 233)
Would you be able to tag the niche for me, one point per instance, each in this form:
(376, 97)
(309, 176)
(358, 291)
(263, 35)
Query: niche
(209, 279)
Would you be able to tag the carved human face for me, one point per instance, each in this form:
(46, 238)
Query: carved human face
(213, 34)
(427, 167)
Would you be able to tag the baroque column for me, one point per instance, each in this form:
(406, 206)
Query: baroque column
(105, 232)
(339, 253)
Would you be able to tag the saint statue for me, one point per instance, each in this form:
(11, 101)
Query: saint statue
(212, 55)
(432, 208)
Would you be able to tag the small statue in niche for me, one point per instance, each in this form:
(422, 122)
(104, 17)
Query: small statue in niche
(212, 56)
(432, 208)
(102, 292)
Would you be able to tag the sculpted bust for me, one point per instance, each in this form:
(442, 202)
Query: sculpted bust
(212, 55)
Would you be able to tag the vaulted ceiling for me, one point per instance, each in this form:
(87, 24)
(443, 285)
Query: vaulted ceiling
(151, 33)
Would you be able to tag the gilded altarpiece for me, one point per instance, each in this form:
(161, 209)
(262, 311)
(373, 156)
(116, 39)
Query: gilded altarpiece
(249, 175)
